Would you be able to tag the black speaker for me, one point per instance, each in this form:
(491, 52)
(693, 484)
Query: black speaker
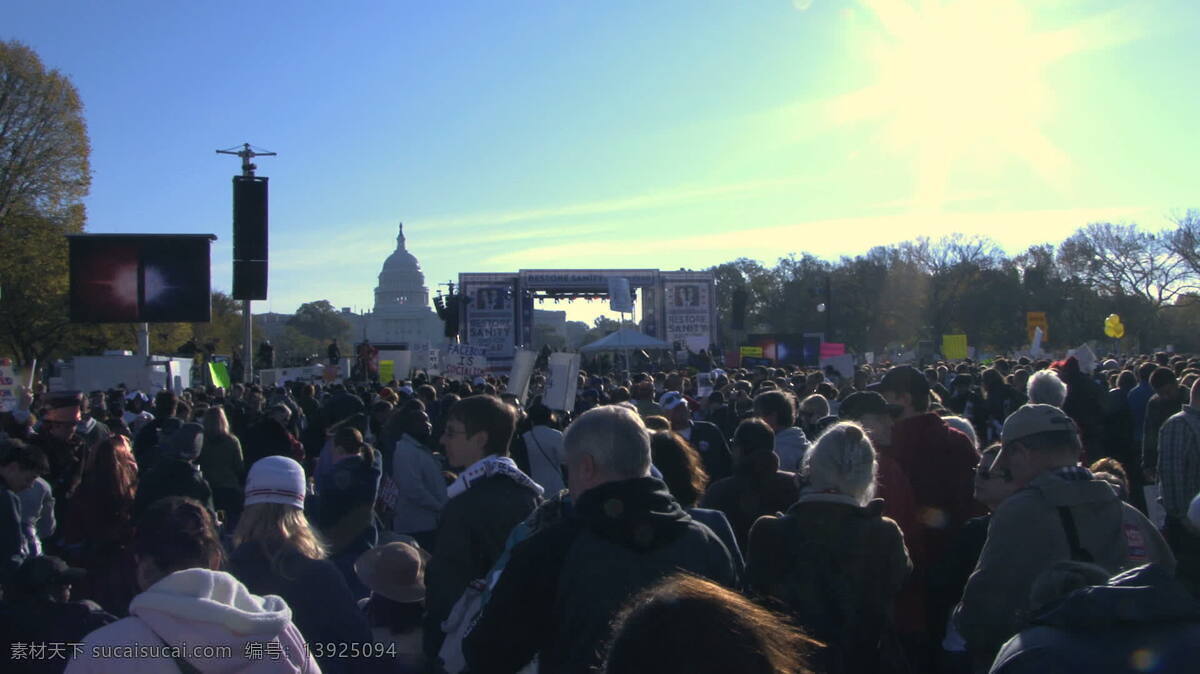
(249, 279)
(249, 218)
(738, 319)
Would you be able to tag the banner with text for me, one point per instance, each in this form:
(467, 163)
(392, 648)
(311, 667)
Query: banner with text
(688, 312)
(491, 319)
(464, 362)
(10, 388)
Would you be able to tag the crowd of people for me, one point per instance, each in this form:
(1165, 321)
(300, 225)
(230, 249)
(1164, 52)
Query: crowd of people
(963, 517)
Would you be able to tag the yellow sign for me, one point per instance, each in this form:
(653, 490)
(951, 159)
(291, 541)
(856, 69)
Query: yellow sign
(954, 347)
(752, 351)
(386, 371)
(1037, 319)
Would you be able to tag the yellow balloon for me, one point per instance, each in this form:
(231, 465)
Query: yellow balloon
(1119, 332)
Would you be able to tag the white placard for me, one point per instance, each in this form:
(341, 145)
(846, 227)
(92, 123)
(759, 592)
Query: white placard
(843, 365)
(464, 362)
(704, 385)
(522, 370)
(561, 382)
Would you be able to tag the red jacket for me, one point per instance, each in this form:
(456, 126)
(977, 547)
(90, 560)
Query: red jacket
(940, 462)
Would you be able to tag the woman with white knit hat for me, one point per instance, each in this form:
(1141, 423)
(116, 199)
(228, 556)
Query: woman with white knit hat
(276, 552)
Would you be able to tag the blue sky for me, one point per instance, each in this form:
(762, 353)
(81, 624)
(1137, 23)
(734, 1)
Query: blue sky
(625, 134)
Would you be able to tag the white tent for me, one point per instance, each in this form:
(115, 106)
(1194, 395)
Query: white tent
(625, 340)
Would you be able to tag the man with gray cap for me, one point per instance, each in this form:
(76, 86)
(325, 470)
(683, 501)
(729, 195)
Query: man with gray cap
(1062, 512)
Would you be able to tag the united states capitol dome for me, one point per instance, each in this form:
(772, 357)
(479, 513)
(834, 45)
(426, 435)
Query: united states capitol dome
(401, 282)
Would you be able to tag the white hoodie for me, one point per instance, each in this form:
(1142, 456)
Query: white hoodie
(211, 617)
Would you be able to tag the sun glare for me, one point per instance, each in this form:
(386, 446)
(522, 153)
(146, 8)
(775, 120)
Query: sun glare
(957, 80)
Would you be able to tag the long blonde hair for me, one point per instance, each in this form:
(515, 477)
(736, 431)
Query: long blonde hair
(277, 528)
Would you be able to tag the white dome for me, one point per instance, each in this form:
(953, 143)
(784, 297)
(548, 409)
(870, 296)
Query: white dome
(401, 282)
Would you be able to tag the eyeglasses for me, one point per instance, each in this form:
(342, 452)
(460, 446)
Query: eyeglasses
(1001, 473)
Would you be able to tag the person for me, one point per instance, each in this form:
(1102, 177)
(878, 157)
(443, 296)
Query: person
(778, 410)
(833, 560)
(1046, 388)
(20, 465)
(757, 487)
(343, 506)
(1138, 399)
(222, 464)
(98, 526)
(811, 410)
(1168, 400)
(937, 459)
(334, 352)
(679, 466)
(704, 436)
(395, 574)
(690, 625)
(37, 515)
(1084, 405)
(186, 600)
(166, 406)
(489, 497)
(63, 447)
(992, 487)
(1139, 621)
(1061, 511)
(270, 437)
(175, 473)
(543, 443)
(266, 355)
(276, 552)
(562, 587)
(1179, 478)
(37, 609)
(417, 475)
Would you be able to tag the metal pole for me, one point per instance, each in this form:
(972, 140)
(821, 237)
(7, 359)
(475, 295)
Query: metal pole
(143, 337)
(247, 347)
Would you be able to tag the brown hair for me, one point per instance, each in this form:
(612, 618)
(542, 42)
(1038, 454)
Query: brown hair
(489, 414)
(680, 467)
(687, 624)
(178, 533)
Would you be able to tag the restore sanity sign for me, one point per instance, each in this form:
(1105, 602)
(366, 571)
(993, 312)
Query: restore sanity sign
(465, 362)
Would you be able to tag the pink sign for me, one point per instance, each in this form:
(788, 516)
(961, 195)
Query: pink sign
(832, 349)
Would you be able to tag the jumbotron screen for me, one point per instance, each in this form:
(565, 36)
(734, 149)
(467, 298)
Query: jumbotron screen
(140, 278)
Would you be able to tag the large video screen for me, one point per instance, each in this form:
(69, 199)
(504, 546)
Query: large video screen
(803, 350)
(140, 278)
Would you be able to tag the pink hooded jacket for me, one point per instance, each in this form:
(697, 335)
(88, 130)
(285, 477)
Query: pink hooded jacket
(217, 625)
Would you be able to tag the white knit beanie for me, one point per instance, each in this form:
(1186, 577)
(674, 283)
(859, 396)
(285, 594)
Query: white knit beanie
(275, 479)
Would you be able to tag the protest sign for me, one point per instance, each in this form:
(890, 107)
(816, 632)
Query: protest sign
(704, 385)
(1036, 349)
(843, 364)
(561, 381)
(1034, 320)
(832, 349)
(464, 362)
(522, 370)
(954, 347)
(220, 375)
(387, 370)
(752, 351)
(10, 387)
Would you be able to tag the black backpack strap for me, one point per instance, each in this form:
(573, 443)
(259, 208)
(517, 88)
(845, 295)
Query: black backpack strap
(1078, 554)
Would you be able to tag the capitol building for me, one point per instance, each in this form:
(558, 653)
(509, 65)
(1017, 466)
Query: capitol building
(402, 314)
(402, 318)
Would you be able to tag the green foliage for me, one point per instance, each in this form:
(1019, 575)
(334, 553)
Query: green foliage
(319, 321)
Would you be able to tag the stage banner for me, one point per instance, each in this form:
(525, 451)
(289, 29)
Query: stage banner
(688, 312)
(491, 318)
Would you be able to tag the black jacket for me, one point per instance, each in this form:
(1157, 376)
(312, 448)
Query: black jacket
(564, 585)
(322, 606)
(40, 621)
(1142, 620)
(171, 477)
(12, 537)
(707, 439)
(475, 526)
